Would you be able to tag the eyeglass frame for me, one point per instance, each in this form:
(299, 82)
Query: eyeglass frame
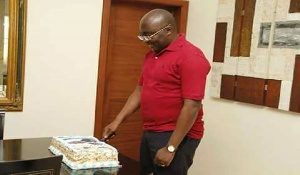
(146, 38)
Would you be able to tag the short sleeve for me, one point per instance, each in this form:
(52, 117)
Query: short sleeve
(193, 72)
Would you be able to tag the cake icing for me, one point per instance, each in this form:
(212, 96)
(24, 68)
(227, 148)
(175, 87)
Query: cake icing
(83, 152)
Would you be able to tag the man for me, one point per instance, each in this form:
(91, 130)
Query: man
(169, 93)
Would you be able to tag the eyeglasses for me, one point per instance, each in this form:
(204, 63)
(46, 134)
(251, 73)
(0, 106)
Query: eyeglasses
(146, 38)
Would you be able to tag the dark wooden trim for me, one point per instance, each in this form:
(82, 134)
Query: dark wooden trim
(237, 28)
(250, 90)
(178, 3)
(102, 68)
(242, 28)
(295, 95)
(272, 94)
(294, 6)
(228, 83)
(182, 11)
(220, 42)
(247, 25)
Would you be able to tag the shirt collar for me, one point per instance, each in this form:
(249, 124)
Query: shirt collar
(175, 45)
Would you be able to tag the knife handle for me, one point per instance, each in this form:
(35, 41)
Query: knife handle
(111, 135)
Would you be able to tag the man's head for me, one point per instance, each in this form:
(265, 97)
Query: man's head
(158, 29)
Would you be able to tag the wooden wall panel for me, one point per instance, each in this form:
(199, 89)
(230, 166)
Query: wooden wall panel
(220, 42)
(246, 35)
(295, 96)
(273, 93)
(242, 28)
(294, 6)
(228, 87)
(250, 90)
(237, 28)
(124, 60)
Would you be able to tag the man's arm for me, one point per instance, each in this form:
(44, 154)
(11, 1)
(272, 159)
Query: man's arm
(132, 105)
(186, 119)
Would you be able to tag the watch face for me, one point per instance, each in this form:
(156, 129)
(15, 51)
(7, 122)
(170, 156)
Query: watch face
(171, 148)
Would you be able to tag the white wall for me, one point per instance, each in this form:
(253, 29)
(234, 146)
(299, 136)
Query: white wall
(60, 91)
(63, 38)
(240, 139)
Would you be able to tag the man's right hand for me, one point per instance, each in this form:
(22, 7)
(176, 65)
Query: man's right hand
(111, 128)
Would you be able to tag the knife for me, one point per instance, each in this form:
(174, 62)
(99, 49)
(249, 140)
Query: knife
(111, 135)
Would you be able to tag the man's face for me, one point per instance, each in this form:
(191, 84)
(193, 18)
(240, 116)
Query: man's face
(159, 41)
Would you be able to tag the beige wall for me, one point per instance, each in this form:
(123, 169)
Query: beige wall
(60, 89)
(63, 39)
(240, 139)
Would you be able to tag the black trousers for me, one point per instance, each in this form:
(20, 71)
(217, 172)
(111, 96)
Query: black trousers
(153, 141)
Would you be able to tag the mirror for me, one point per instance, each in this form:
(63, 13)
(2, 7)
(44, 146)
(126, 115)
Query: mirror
(3, 45)
(12, 53)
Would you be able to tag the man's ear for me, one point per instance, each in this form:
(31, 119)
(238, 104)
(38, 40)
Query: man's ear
(170, 30)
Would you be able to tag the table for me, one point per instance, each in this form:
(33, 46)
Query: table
(36, 148)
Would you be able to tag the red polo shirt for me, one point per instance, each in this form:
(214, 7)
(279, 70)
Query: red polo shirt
(176, 73)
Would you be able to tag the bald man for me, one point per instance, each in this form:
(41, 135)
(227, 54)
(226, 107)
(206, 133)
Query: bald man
(169, 94)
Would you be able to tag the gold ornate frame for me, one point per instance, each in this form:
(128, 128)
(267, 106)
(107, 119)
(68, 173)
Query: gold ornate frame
(16, 56)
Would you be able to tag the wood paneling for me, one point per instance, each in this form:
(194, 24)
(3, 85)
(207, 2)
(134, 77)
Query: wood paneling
(294, 6)
(220, 42)
(250, 90)
(228, 87)
(120, 63)
(124, 61)
(246, 35)
(237, 28)
(295, 96)
(272, 93)
(242, 28)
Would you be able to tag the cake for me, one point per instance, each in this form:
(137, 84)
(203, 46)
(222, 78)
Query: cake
(84, 152)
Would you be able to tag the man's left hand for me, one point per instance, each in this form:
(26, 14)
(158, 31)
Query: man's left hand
(163, 157)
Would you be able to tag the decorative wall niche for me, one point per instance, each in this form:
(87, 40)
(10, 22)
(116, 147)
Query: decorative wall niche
(257, 53)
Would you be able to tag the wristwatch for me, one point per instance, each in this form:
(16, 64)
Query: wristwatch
(171, 148)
